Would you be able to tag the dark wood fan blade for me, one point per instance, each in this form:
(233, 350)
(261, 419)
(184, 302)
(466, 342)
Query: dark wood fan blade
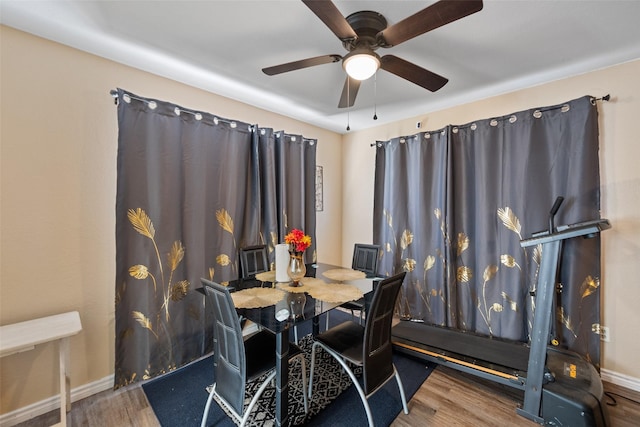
(415, 74)
(429, 18)
(303, 63)
(332, 18)
(349, 92)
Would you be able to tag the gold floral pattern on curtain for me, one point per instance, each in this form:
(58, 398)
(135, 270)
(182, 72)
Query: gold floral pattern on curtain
(193, 189)
(452, 205)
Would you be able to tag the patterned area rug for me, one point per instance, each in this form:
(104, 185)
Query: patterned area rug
(329, 381)
(178, 398)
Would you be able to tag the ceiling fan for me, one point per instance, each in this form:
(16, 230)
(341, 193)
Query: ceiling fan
(362, 33)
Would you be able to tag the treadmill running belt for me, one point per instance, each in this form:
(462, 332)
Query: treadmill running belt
(509, 354)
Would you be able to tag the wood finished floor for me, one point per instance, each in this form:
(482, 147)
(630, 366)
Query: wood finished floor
(447, 398)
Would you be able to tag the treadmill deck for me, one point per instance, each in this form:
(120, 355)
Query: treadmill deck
(494, 357)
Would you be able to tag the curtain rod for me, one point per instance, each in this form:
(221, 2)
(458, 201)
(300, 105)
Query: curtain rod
(114, 94)
(197, 115)
(606, 97)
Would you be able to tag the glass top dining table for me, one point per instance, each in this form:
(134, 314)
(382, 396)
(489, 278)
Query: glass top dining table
(272, 317)
(310, 310)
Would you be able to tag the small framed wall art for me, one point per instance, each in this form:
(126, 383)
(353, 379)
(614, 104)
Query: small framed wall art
(319, 200)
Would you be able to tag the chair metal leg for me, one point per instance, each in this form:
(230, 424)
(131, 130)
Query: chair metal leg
(353, 315)
(255, 398)
(313, 364)
(360, 316)
(356, 383)
(401, 388)
(247, 411)
(207, 406)
(363, 397)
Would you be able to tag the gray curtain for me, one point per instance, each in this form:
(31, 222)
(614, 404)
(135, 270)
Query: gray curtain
(287, 187)
(192, 189)
(452, 205)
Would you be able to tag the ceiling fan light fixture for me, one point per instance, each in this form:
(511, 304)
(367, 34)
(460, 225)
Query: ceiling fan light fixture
(361, 65)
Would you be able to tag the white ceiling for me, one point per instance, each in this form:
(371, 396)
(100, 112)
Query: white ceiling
(221, 46)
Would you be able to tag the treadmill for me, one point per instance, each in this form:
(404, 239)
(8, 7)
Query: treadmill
(560, 387)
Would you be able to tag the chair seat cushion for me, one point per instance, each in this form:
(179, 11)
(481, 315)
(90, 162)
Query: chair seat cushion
(347, 339)
(260, 351)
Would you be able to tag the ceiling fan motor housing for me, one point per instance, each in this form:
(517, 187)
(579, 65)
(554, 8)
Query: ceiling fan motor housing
(366, 24)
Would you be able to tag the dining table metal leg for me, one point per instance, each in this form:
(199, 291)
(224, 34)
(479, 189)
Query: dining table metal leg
(282, 378)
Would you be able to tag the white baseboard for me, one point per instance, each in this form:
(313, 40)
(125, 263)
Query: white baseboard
(31, 411)
(620, 379)
(53, 403)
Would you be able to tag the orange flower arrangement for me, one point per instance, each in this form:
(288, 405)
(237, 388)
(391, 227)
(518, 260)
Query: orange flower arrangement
(297, 240)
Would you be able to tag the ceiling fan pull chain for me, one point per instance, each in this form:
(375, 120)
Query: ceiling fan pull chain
(348, 106)
(375, 96)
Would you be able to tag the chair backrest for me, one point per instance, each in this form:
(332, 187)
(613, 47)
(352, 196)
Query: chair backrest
(377, 349)
(253, 260)
(365, 258)
(230, 368)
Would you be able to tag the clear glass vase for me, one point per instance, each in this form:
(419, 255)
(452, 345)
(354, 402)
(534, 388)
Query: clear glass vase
(296, 268)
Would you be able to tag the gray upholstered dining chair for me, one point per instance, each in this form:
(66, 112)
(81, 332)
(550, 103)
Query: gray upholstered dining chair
(238, 360)
(253, 260)
(367, 346)
(365, 259)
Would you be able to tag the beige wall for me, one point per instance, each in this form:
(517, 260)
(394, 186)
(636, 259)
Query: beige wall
(620, 187)
(58, 175)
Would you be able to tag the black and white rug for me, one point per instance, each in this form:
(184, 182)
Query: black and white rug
(329, 381)
(178, 398)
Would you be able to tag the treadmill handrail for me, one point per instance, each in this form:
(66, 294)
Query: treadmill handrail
(568, 232)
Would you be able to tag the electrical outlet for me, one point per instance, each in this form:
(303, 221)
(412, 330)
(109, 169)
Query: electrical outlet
(604, 334)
